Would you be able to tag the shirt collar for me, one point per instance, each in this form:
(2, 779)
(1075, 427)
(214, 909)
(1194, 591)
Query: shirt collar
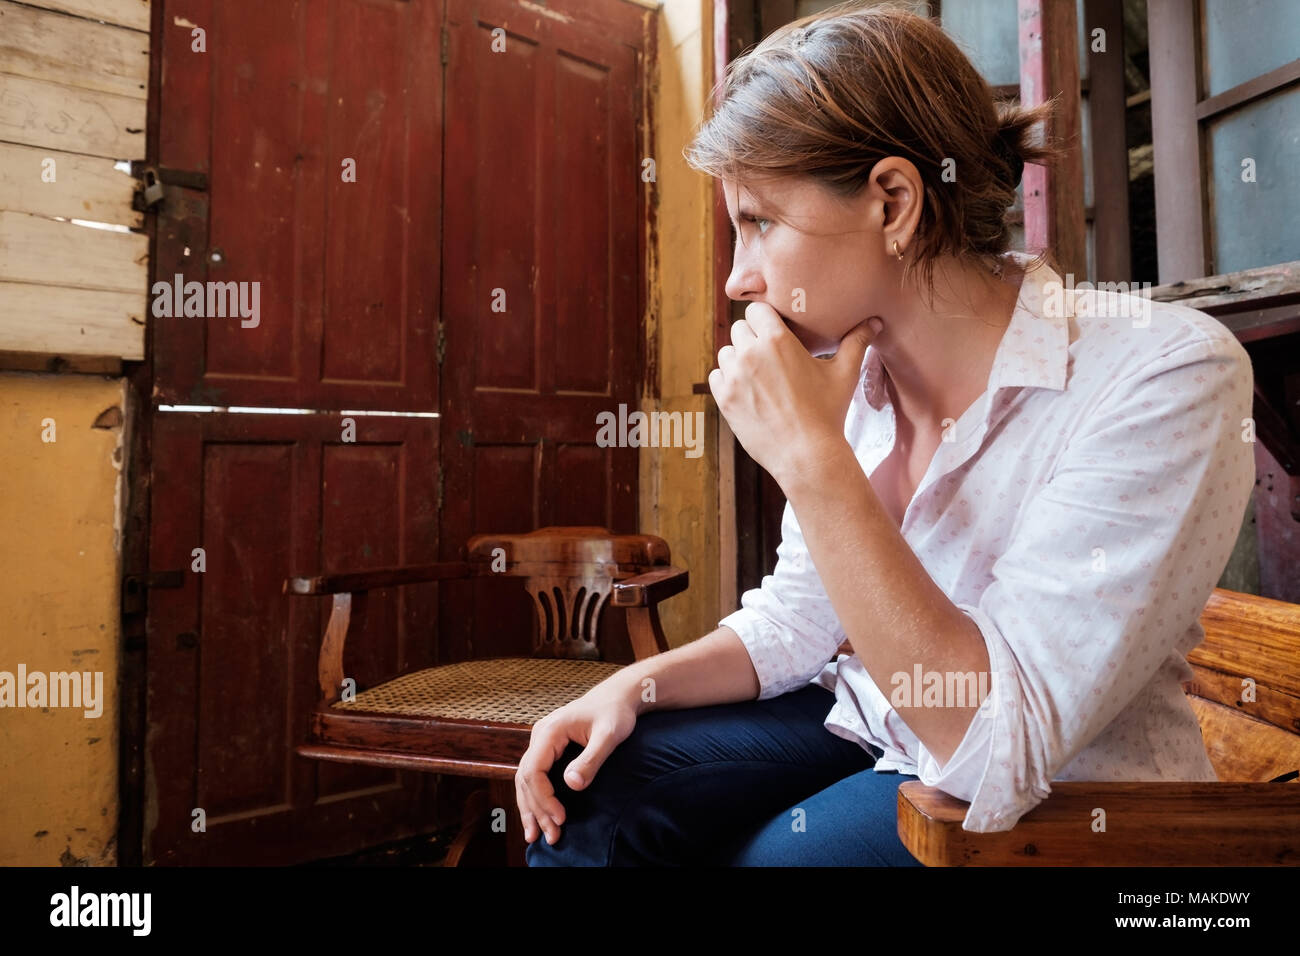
(1035, 349)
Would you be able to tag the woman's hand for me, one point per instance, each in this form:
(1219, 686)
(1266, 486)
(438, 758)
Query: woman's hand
(783, 404)
(600, 720)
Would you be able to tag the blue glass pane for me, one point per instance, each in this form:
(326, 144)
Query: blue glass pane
(988, 31)
(1244, 38)
(1255, 223)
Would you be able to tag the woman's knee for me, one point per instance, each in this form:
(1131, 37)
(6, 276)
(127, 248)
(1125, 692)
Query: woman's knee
(683, 781)
(635, 810)
(853, 822)
(592, 814)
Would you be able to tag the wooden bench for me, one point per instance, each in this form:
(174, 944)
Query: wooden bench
(1246, 694)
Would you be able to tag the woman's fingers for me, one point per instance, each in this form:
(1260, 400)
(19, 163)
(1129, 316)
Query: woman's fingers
(530, 824)
(539, 808)
(583, 767)
(536, 821)
(599, 724)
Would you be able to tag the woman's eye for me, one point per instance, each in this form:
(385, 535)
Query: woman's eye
(758, 219)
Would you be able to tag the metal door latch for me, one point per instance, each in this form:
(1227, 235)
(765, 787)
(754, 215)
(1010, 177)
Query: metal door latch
(154, 178)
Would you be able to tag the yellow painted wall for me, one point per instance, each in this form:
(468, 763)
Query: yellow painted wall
(679, 495)
(59, 580)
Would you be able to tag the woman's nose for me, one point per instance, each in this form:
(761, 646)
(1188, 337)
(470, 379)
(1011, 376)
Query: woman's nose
(744, 279)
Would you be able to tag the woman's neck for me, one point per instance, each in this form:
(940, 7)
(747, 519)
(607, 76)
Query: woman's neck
(938, 359)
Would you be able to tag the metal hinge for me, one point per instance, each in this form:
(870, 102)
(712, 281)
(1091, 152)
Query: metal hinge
(439, 487)
(135, 588)
(442, 342)
(446, 42)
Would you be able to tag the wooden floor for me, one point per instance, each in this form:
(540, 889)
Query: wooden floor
(426, 850)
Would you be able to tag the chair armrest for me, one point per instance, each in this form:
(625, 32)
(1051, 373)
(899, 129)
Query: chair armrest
(639, 596)
(650, 588)
(329, 664)
(1145, 824)
(352, 581)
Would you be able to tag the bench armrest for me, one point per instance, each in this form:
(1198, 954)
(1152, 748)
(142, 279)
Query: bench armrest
(1146, 824)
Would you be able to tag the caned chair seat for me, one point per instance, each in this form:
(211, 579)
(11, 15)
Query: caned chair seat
(508, 690)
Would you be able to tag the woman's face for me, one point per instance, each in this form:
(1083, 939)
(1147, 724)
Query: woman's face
(819, 261)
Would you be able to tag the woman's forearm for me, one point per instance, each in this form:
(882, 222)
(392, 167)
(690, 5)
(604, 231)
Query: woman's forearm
(716, 669)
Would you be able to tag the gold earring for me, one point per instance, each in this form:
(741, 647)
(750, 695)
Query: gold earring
(897, 252)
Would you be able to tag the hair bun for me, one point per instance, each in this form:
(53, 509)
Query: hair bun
(1009, 156)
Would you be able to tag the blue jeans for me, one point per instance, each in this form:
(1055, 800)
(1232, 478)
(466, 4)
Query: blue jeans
(756, 783)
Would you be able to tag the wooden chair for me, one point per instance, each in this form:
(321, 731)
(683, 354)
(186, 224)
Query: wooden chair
(1246, 819)
(474, 718)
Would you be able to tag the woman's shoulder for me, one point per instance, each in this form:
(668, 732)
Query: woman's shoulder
(1124, 334)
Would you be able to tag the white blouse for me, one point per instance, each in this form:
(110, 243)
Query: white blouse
(1081, 512)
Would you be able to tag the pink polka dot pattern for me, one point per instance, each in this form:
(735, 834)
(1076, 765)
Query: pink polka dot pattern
(1081, 518)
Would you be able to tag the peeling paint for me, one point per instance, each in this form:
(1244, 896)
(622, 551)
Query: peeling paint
(67, 859)
(120, 486)
(544, 11)
(110, 417)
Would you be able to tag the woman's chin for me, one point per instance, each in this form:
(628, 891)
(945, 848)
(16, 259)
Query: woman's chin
(826, 348)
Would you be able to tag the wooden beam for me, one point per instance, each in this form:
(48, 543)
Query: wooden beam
(127, 13)
(52, 320)
(83, 187)
(1107, 116)
(1176, 138)
(1049, 64)
(45, 252)
(45, 114)
(733, 32)
(1253, 89)
(75, 52)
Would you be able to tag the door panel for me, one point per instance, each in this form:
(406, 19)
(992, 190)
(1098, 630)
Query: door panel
(232, 661)
(543, 286)
(348, 270)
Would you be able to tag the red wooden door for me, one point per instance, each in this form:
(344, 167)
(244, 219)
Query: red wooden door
(540, 189)
(282, 98)
(543, 285)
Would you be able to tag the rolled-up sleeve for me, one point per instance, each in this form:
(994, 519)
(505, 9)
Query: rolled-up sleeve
(967, 766)
(1109, 567)
(787, 623)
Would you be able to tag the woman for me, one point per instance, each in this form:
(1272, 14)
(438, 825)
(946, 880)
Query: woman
(1010, 498)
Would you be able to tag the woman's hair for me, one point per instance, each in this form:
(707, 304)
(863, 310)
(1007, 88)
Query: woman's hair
(830, 95)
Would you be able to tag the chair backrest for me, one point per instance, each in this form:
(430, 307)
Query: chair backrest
(569, 573)
(1246, 688)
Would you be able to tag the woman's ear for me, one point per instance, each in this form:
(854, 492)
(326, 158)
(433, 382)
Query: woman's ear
(898, 186)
